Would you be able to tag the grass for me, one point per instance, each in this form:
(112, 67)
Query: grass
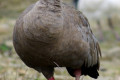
(12, 68)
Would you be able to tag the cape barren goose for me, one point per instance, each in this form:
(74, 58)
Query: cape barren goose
(49, 33)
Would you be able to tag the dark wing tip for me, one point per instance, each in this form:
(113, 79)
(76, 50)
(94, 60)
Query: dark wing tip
(91, 71)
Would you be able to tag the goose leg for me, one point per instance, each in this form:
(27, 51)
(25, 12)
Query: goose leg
(48, 72)
(74, 73)
(52, 78)
(77, 74)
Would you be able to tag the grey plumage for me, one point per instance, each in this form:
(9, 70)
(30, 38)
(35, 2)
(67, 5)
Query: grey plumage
(50, 32)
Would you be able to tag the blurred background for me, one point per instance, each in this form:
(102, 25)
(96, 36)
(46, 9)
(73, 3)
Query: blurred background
(104, 18)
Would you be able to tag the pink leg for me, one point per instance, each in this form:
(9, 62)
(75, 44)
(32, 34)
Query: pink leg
(77, 74)
(52, 78)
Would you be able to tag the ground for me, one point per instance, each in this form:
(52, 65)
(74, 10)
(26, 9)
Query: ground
(12, 68)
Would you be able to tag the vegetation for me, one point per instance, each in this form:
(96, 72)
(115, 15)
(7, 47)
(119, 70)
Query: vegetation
(12, 68)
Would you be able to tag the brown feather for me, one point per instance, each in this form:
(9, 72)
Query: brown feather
(50, 32)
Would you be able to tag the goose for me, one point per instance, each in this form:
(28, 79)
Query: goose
(51, 34)
(98, 10)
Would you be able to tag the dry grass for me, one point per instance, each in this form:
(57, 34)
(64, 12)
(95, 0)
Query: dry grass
(12, 68)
